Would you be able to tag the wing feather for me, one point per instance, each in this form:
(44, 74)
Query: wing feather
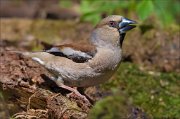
(77, 53)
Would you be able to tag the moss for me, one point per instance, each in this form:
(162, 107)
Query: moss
(157, 93)
(114, 107)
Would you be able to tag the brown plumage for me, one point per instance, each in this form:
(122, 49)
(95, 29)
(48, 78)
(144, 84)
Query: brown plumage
(83, 65)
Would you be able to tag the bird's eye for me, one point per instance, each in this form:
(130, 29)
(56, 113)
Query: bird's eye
(112, 23)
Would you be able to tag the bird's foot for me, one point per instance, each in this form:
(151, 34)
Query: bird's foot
(79, 95)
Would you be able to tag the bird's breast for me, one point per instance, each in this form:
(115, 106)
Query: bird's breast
(106, 59)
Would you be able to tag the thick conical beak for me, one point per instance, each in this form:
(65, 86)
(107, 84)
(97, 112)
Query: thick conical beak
(126, 25)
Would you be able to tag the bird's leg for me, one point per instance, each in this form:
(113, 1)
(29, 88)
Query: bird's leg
(75, 91)
(59, 82)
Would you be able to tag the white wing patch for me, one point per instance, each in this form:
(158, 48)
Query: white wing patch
(53, 49)
(38, 60)
(71, 52)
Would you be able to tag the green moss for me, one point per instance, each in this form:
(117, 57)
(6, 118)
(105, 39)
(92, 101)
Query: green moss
(114, 107)
(157, 93)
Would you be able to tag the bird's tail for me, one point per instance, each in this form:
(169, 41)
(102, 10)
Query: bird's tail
(40, 57)
(25, 53)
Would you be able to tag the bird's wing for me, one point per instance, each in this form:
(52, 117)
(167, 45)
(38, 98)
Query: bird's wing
(76, 52)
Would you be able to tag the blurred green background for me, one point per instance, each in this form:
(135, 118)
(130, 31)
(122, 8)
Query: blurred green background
(147, 84)
(166, 11)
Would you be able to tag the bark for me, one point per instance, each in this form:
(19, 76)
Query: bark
(29, 93)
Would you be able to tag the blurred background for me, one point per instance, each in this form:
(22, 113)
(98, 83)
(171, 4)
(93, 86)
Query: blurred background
(147, 83)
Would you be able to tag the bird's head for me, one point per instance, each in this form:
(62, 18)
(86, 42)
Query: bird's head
(111, 30)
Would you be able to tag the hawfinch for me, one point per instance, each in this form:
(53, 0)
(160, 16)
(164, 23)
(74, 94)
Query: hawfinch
(83, 65)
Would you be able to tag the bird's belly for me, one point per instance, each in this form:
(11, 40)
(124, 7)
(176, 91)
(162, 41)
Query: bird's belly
(86, 78)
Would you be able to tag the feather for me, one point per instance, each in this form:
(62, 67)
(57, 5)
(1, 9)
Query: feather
(75, 52)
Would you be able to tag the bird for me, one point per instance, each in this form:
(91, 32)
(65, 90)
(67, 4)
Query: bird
(89, 64)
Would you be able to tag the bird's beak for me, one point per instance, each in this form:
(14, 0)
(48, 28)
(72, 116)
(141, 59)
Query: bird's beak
(126, 25)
